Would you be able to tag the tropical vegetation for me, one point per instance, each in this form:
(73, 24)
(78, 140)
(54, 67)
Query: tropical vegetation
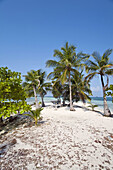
(93, 106)
(44, 86)
(12, 94)
(67, 62)
(68, 81)
(109, 91)
(104, 68)
(31, 83)
(35, 115)
(35, 84)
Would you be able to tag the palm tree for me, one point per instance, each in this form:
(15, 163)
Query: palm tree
(80, 87)
(68, 60)
(57, 89)
(102, 67)
(35, 115)
(43, 87)
(31, 83)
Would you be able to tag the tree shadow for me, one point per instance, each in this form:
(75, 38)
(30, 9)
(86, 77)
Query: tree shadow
(16, 121)
(97, 111)
(87, 109)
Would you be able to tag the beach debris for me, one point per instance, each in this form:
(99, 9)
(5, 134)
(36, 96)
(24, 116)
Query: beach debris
(3, 149)
(61, 143)
(13, 142)
(111, 137)
(5, 146)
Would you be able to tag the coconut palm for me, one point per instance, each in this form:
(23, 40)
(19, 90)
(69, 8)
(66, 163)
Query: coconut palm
(101, 66)
(43, 87)
(68, 60)
(31, 84)
(57, 89)
(80, 87)
(35, 114)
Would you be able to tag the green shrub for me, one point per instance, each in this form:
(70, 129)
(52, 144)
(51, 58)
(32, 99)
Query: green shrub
(93, 106)
(35, 114)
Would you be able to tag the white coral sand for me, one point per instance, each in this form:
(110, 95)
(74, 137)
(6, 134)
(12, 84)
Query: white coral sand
(81, 139)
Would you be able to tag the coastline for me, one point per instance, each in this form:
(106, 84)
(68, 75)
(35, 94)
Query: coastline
(95, 100)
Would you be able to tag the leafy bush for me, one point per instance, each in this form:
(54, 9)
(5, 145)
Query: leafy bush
(12, 94)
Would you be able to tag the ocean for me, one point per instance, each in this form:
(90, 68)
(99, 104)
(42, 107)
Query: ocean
(94, 100)
(99, 101)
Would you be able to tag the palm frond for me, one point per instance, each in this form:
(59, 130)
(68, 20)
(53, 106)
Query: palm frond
(90, 76)
(96, 56)
(106, 54)
(106, 66)
(66, 45)
(82, 56)
(58, 54)
(84, 96)
(90, 63)
(91, 68)
(56, 81)
(51, 63)
(50, 75)
(109, 72)
(63, 76)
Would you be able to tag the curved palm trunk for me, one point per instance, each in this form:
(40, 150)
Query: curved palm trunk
(106, 109)
(71, 105)
(35, 95)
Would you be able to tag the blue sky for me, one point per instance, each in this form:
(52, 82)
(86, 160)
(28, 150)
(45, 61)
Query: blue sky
(31, 29)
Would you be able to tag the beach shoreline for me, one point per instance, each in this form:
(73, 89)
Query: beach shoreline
(94, 100)
(64, 139)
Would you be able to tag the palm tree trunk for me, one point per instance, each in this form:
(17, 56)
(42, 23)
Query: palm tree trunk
(35, 95)
(63, 102)
(43, 104)
(64, 96)
(106, 109)
(71, 105)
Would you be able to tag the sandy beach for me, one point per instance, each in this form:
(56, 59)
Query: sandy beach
(78, 140)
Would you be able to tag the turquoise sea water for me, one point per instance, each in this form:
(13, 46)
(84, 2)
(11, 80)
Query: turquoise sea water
(95, 100)
(99, 101)
(47, 99)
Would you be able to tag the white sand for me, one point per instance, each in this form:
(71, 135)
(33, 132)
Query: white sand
(81, 139)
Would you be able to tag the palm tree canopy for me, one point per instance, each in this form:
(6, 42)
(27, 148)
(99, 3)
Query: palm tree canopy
(67, 61)
(103, 67)
(32, 77)
(31, 80)
(81, 86)
(100, 65)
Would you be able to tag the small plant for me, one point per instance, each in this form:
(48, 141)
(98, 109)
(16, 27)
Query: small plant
(93, 106)
(35, 114)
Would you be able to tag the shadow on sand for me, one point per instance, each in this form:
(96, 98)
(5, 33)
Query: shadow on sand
(87, 109)
(13, 122)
